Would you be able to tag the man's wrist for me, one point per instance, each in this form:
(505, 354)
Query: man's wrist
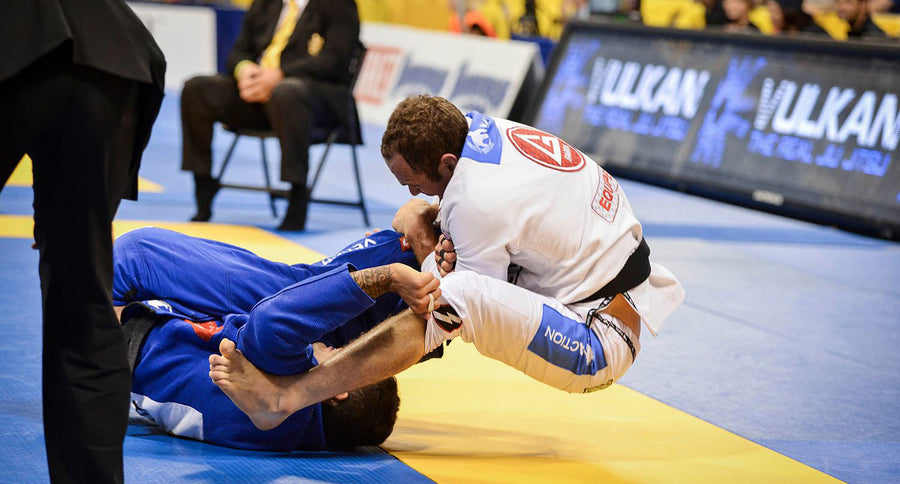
(241, 66)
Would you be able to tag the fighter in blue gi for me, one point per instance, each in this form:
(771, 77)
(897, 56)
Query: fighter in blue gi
(185, 294)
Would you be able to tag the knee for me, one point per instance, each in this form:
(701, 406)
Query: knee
(290, 91)
(130, 243)
(457, 284)
(192, 87)
(196, 90)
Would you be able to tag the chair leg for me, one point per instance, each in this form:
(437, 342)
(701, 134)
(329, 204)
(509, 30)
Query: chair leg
(359, 190)
(331, 138)
(227, 159)
(265, 167)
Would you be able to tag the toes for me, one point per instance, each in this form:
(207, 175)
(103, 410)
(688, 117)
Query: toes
(219, 378)
(226, 347)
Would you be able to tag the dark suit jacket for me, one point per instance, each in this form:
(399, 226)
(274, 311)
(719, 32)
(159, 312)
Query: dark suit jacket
(868, 30)
(337, 21)
(102, 34)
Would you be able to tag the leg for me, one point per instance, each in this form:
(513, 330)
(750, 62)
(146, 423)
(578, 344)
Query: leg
(390, 348)
(206, 100)
(535, 334)
(199, 277)
(294, 108)
(378, 249)
(203, 102)
(86, 379)
(213, 278)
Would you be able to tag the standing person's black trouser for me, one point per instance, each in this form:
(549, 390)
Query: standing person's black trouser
(79, 125)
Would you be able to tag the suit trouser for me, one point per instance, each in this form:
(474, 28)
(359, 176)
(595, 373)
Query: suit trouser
(295, 106)
(78, 125)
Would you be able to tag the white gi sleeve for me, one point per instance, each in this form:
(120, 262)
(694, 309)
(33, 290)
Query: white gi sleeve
(440, 324)
(480, 237)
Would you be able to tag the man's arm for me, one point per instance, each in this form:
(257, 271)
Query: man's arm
(268, 400)
(417, 289)
(415, 220)
(243, 48)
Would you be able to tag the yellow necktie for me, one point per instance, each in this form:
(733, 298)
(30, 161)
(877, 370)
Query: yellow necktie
(272, 55)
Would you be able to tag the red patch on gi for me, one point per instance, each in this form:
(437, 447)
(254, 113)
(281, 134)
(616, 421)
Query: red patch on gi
(545, 149)
(606, 199)
(205, 330)
(404, 244)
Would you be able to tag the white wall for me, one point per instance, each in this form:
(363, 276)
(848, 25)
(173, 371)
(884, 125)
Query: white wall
(187, 37)
(473, 72)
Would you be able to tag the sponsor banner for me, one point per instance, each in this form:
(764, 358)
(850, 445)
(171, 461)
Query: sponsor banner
(186, 35)
(475, 73)
(814, 125)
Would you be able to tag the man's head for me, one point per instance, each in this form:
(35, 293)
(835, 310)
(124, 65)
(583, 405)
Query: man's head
(422, 143)
(364, 416)
(851, 10)
(737, 10)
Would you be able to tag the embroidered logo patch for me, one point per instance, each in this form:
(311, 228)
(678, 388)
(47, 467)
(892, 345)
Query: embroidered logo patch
(205, 330)
(446, 318)
(404, 244)
(568, 344)
(606, 200)
(545, 149)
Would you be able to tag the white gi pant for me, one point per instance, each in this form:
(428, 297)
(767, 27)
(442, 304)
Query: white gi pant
(535, 334)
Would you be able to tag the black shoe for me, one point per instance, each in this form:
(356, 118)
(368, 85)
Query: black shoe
(295, 218)
(202, 216)
(205, 188)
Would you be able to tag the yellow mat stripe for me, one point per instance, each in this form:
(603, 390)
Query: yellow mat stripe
(21, 177)
(261, 242)
(466, 418)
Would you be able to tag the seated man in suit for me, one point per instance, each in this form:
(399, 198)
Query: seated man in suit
(288, 71)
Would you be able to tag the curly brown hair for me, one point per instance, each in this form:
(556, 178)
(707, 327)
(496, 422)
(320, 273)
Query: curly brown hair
(421, 130)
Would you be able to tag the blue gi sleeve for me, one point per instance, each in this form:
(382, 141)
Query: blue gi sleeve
(281, 328)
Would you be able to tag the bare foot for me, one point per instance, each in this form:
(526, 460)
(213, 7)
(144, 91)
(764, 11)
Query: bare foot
(255, 393)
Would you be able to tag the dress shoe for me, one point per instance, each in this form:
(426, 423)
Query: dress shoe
(205, 188)
(295, 218)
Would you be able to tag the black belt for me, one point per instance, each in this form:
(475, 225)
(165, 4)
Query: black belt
(592, 314)
(635, 271)
(136, 327)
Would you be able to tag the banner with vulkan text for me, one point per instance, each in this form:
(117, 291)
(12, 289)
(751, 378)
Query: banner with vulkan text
(803, 127)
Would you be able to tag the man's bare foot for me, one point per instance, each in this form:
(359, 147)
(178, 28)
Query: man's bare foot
(255, 393)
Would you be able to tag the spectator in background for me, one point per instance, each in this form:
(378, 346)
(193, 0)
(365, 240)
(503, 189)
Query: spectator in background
(715, 14)
(737, 13)
(884, 6)
(856, 13)
(788, 18)
(288, 70)
(474, 23)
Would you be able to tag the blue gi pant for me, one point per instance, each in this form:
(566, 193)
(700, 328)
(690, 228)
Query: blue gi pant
(204, 279)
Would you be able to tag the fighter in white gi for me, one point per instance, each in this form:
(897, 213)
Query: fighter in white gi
(552, 276)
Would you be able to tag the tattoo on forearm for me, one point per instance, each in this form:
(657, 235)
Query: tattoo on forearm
(375, 281)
